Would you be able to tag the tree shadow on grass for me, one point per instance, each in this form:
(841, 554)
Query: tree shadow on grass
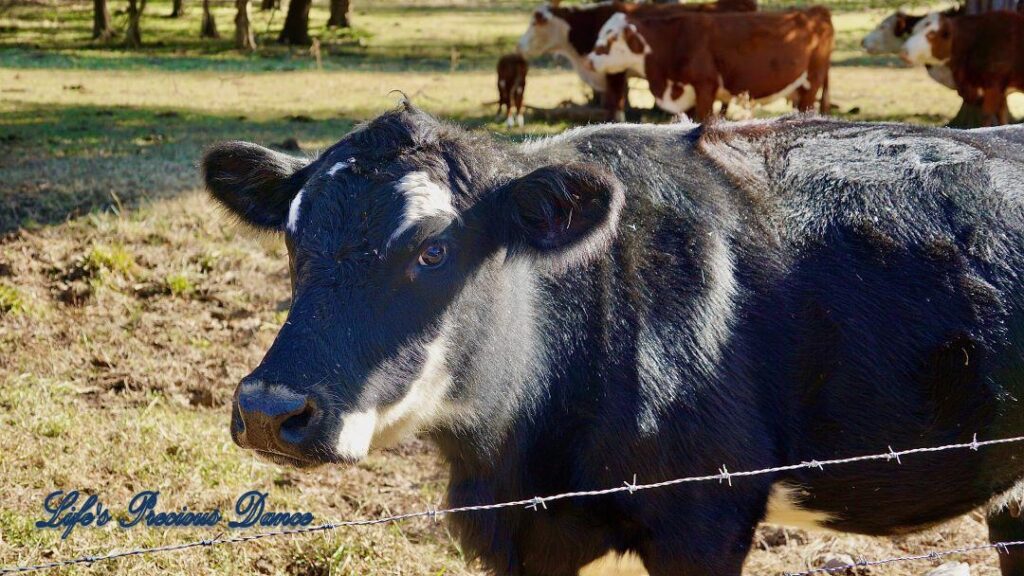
(57, 163)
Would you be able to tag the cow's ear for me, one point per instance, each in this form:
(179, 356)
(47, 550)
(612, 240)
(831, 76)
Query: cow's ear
(900, 26)
(562, 213)
(254, 183)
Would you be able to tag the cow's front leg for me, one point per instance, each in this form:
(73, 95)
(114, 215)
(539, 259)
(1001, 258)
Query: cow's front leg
(711, 553)
(1008, 526)
(705, 104)
(711, 541)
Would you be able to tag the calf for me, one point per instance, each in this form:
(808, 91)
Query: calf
(890, 34)
(512, 70)
(690, 60)
(984, 51)
(656, 301)
(572, 31)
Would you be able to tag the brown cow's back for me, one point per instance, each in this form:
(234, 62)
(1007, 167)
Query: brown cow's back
(761, 54)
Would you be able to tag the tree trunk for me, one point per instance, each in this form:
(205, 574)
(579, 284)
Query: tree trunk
(296, 24)
(245, 39)
(268, 4)
(133, 36)
(209, 28)
(101, 29)
(177, 8)
(339, 14)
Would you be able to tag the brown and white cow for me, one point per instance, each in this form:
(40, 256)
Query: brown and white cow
(570, 32)
(512, 70)
(890, 34)
(691, 60)
(984, 51)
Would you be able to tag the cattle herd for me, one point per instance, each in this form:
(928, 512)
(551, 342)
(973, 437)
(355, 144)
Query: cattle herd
(694, 55)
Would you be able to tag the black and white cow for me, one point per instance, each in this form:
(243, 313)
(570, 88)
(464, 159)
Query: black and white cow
(650, 300)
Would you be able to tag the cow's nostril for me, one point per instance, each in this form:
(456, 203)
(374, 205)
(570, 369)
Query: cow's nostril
(295, 427)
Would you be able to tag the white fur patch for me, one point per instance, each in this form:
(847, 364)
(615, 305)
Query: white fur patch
(883, 39)
(784, 508)
(338, 167)
(552, 37)
(423, 198)
(618, 57)
(294, 211)
(684, 102)
(424, 404)
(356, 434)
(917, 49)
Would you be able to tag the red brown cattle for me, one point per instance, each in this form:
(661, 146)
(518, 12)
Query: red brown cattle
(984, 51)
(691, 60)
(511, 85)
(572, 31)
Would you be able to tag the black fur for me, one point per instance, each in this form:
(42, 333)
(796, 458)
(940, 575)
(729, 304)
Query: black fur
(769, 293)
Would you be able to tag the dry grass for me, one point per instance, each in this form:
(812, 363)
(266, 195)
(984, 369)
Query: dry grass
(129, 308)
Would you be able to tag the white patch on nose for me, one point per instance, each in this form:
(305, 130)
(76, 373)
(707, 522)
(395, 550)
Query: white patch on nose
(917, 49)
(784, 508)
(293, 212)
(339, 166)
(356, 434)
(423, 198)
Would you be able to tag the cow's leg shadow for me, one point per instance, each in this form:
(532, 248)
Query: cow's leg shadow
(1007, 526)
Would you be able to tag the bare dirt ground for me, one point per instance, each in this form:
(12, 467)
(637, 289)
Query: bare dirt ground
(129, 307)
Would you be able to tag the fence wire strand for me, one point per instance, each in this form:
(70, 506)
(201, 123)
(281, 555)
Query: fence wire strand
(540, 502)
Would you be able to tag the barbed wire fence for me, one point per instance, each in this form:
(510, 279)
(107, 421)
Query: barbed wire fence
(536, 503)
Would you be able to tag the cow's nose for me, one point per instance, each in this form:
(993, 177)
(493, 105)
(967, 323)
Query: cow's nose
(272, 418)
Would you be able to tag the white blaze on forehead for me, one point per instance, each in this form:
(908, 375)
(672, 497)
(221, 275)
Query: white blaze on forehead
(293, 212)
(917, 49)
(356, 433)
(423, 198)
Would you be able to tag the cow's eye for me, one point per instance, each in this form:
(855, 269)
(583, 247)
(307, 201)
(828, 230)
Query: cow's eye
(433, 255)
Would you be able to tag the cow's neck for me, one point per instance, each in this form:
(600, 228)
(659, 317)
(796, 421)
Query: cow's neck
(525, 372)
(578, 62)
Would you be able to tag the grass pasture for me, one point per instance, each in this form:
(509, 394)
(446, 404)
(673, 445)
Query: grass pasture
(129, 307)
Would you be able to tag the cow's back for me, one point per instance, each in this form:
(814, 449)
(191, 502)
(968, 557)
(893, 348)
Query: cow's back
(897, 312)
(860, 284)
(989, 49)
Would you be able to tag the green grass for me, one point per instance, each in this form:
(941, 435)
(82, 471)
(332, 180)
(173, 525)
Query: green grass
(10, 300)
(130, 308)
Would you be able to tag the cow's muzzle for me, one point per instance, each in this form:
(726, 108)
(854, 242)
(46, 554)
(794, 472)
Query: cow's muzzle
(280, 424)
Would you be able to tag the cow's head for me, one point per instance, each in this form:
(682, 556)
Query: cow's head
(619, 48)
(889, 35)
(408, 243)
(546, 34)
(931, 41)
